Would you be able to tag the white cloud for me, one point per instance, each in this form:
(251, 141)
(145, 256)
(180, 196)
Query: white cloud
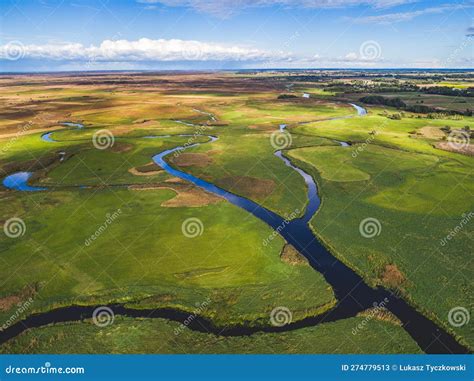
(147, 52)
(225, 8)
(143, 49)
(184, 54)
(390, 18)
(351, 56)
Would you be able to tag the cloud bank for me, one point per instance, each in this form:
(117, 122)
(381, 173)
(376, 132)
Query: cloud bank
(144, 49)
(149, 54)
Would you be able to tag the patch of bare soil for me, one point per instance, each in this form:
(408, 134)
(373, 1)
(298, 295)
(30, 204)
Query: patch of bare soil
(144, 187)
(186, 195)
(175, 180)
(380, 313)
(49, 118)
(149, 169)
(9, 301)
(43, 163)
(462, 149)
(192, 159)
(248, 186)
(392, 276)
(194, 197)
(292, 256)
(120, 147)
(431, 132)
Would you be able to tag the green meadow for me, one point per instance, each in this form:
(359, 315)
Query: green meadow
(144, 257)
(71, 253)
(418, 193)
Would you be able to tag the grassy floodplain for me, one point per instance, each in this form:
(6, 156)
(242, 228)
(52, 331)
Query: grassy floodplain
(417, 191)
(160, 336)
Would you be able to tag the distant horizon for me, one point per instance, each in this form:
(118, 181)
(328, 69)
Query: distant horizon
(234, 70)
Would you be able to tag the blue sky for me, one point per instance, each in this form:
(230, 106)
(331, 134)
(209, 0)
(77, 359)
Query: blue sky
(48, 35)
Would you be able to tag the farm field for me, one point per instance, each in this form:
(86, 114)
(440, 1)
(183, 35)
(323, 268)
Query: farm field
(109, 226)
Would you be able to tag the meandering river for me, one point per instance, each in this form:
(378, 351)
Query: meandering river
(352, 292)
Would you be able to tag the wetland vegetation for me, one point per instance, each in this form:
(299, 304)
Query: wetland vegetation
(410, 173)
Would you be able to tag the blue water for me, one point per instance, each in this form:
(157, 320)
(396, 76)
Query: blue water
(360, 110)
(312, 190)
(185, 123)
(72, 124)
(47, 136)
(19, 181)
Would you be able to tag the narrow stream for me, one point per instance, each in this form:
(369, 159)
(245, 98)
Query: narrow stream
(352, 293)
(47, 136)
